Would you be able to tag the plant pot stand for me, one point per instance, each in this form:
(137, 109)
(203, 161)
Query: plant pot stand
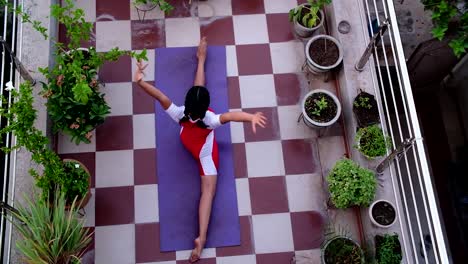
(141, 11)
(306, 69)
(322, 131)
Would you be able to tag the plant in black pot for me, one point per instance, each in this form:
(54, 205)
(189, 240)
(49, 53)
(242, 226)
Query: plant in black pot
(365, 109)
(382, 213)
(371, 142)
(320, 108)
(388, 249)
(323, 53)
(308, 17)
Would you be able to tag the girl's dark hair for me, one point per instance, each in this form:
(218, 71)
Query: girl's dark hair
(196, 104)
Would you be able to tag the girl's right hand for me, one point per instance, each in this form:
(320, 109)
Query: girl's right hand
(258, 119)
(139, 73)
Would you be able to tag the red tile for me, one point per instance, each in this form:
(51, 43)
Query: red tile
(298, 156)
(308, 230)
(148, 34)
(115, 134)
(85, 44)
(288, 89)
(246, 246)
(268, 195)
(254, 59)
(144, 166)
(218, 30)
(110, 10)
(240, 159)
(115, 206)
(88, 159)
(181, 9)
(279, 27)
(243, 7)
(234, 93)
(147, 244)
(201, 261)
(270, 132)
(143, 103)
(117, 71)
(275, 258)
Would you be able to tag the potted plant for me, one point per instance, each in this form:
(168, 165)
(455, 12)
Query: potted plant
(148, 5)
(74, 102)
(323, 53)
(371, 142)
(50, 234)
(71, 176)
(308, 17)
(388, 249)
(350, 184)
(382, 213)
(320, 108)
(365, 109)
(341, 249)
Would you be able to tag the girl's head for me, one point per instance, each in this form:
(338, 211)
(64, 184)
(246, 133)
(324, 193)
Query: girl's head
(197, 102)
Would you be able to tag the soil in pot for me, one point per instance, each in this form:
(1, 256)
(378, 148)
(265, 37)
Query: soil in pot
(304, 12)
(324, 52)
(383, 213)
(326, 114)
(342, 250)
(366, 110)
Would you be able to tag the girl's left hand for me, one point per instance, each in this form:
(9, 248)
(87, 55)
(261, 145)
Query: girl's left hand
(258, 119)
(139, 73)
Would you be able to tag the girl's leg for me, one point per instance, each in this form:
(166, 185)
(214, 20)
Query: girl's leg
(208, 190)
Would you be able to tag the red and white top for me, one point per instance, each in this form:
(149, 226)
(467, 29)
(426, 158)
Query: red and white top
(200, 142)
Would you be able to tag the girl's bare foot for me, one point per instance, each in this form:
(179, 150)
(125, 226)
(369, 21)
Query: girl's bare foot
(196, 252)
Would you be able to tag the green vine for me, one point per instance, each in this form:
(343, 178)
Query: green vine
(450, 14)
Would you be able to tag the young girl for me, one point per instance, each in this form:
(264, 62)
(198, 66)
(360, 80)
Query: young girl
(197, 123)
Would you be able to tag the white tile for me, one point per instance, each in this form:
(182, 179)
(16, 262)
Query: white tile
(144, 135)
(149, 71)
(250, 29)
(110, 175)
(115, 244)
(231, 61)
(305, 192)
(108, 38)
(65, 145)
(287, 57)
(245, 259)
(243, 197)
(308, 256)
(272, 233)
(237, 130)
(156, 13)
(146, 203)
(119, 98)
(206, 253)
(257, 91)
(182, 32)
(89, 8)
(279, 6)
(214, 8)
(90, 210)
(289, 127)
(264, 159)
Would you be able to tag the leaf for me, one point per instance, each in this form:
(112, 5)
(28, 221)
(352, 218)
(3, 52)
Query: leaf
(81, 92)
(439, 32)
(458, 46)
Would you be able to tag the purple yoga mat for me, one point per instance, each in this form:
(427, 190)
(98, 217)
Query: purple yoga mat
(178, 176)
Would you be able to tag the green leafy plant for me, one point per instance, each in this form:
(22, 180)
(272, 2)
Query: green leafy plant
(308, 15)
(371, 141)
(363, 102)
(21, 116)
(388, 249)
(448, 15)
(76, 184)
(351, 185)
(163, 5)
(320, 105)
(50, 234)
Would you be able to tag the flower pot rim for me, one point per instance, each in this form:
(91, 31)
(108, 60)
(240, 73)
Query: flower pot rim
(340, 237)
(320, 124)
(334, 40)
(372, 218)
(320, 24)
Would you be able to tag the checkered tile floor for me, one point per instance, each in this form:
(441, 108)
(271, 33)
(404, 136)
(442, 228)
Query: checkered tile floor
(278, 170)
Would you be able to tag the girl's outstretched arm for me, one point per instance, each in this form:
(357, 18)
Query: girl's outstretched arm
(201, 55)
(150, 89)
(255, 119)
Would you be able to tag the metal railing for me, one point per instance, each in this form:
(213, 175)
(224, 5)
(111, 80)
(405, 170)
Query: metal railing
(423, 233)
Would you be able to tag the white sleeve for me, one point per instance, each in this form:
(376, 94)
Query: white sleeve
(212, 120)
(176, 112)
